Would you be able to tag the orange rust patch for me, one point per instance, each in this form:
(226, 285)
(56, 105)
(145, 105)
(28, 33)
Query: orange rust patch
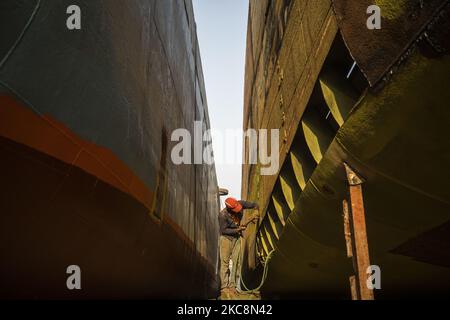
(47, 135)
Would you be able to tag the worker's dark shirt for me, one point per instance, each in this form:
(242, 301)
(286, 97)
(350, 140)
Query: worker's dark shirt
(227, 225)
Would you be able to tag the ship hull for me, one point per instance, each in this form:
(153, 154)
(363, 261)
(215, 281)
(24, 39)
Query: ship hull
(86, 117)
(55, 216)
(375, 100)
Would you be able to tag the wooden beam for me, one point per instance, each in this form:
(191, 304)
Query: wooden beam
(360, 246)
(347, 230)
(354, 288)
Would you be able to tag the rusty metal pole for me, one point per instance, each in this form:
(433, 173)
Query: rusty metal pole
(360, 247)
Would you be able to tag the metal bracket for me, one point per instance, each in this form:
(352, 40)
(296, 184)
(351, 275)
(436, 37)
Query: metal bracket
(353, 178)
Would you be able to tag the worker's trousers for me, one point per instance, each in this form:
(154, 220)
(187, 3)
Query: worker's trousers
(229, 249)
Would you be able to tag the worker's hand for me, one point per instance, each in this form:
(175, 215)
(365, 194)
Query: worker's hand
(242, 228)
(254, 218)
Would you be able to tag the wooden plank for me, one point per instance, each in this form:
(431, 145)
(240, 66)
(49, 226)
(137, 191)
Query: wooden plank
(350, 247)
(347, 230)
(361, 252)
(354, 288)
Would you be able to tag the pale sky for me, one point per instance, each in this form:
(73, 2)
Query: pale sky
(222, 31)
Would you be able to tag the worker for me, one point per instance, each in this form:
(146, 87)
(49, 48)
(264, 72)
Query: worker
(230, 241)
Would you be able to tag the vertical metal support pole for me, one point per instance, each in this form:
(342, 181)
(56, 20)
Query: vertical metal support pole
(357, 227)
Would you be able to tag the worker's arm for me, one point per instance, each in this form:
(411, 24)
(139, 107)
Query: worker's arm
(225, 228)
(249, 204)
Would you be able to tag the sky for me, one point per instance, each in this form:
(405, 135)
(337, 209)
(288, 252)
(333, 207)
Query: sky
(221, 32)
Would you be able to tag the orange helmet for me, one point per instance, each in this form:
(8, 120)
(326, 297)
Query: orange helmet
(233, 205)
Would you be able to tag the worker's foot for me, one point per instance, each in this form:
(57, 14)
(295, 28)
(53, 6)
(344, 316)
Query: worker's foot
(228, 293)
(225, 293)
(233, 291)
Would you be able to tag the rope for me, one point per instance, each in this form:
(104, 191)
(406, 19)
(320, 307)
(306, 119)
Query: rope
(264, 276)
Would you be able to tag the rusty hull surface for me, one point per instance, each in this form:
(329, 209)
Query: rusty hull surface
(388, 120)
(403, 23)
